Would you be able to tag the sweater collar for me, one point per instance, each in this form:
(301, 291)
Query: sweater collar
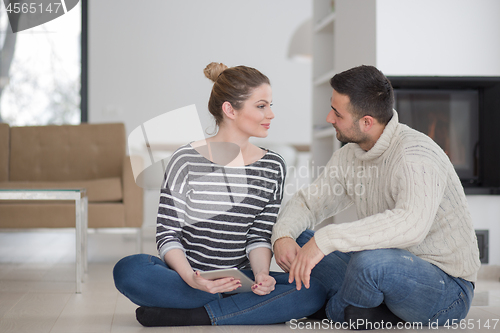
(382, 143)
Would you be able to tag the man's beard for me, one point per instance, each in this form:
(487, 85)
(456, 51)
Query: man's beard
(342, 138)
(357, 137)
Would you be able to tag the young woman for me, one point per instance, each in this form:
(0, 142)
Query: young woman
(219, 201)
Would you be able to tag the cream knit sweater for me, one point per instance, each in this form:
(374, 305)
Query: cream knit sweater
(407, 195)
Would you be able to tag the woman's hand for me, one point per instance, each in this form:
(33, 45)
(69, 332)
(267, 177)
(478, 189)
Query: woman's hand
(176, 259)
(260, 260)
(264, 284)
(223, 285)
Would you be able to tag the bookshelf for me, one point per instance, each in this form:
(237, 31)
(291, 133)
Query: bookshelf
(344, 36)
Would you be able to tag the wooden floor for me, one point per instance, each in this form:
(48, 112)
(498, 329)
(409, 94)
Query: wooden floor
(37, 290)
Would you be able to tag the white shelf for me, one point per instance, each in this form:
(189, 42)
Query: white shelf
(324, 133)
(324, 40)
(325, 78)
(325, 24)
(340, 41)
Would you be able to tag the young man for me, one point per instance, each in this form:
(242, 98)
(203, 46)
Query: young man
(412, 255)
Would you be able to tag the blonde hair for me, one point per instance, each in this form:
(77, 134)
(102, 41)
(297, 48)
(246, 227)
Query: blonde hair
(234, 85)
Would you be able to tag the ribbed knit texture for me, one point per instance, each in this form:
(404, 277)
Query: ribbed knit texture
(218, 214)
(407, 195)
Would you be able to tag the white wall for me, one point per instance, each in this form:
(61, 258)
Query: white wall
(485, 211)
(445, 37)
(148, 59)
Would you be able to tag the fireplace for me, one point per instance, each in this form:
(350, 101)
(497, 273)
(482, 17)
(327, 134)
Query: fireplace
(462, 115)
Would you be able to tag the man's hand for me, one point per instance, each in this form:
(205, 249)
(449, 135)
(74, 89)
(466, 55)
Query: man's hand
(285, 250)
(307, 257)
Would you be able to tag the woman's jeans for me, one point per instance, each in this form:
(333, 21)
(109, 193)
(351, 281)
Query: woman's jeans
(147, 281)
(412, 288)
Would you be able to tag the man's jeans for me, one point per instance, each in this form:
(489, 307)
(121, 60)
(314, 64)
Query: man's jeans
(147, 281)
(412, 288)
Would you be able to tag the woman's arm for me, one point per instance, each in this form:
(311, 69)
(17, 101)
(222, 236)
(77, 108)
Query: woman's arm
(259, 236)
(176, 260)
(260, 260)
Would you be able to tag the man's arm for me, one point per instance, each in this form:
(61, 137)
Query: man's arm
(325, 197)
(420, 192)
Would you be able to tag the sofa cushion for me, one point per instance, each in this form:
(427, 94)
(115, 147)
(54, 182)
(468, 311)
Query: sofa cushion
(98, 190)
(4, 152)
(66, 152)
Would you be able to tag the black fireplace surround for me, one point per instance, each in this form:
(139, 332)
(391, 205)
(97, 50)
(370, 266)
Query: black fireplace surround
(462, 114)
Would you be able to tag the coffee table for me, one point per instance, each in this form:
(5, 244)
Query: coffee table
(79, 196)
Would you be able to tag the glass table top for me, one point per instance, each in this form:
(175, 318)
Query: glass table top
(42, 194)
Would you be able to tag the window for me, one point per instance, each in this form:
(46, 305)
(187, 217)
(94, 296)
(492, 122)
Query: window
(44, 83)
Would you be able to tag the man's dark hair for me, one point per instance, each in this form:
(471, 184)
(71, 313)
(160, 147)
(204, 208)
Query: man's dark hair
(369, 91)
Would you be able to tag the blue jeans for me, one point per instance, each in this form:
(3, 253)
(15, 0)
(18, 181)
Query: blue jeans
(147, 281)
(412, 288)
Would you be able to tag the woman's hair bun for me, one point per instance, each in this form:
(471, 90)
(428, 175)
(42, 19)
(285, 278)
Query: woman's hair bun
(213, 70)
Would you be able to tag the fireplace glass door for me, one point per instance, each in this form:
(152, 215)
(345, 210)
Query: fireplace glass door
(450, 118)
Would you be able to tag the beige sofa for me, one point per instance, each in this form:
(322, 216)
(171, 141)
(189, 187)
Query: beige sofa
(90, 156)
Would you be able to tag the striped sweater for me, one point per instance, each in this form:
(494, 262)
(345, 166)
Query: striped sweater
(218, 214)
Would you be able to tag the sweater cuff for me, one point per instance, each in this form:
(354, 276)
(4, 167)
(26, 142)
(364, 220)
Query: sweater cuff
(170, 246)
(278, 235)
(254, 246)
(323, 242)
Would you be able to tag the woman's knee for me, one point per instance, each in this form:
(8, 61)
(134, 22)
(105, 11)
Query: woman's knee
(304, 237)
(126, 269)
(130, 262)
(313, 298)
(319, 293)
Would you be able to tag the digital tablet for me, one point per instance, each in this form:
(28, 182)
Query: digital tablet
(246, 282)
